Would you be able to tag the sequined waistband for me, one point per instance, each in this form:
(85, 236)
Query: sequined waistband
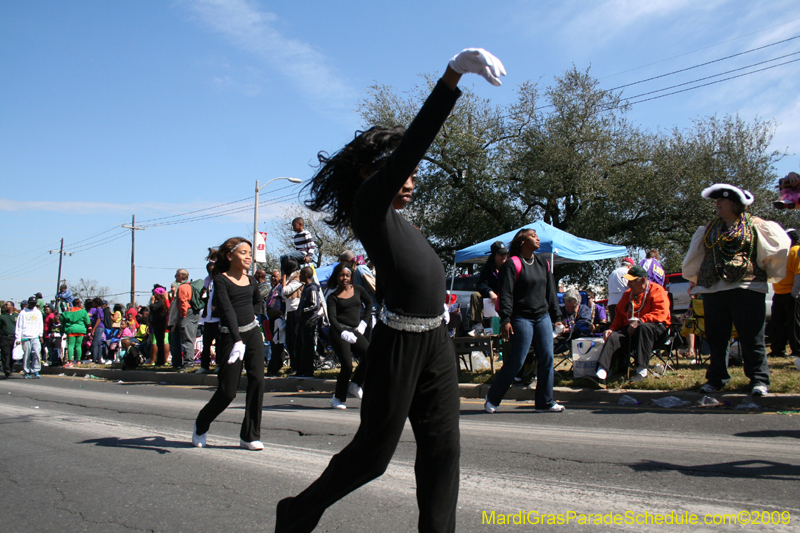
(409, 323)
(252, 325)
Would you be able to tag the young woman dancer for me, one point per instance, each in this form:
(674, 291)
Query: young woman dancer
(411, 371)
(239, 343)
(347, 333)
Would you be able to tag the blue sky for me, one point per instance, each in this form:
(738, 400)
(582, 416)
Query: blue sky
(158, 108)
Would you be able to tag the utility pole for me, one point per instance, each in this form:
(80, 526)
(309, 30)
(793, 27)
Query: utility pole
(255, 216)
(61, 253)
(133, 227)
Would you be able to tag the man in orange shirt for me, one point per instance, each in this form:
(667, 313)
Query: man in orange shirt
(642, 317)
(186, 326)
(784, 322)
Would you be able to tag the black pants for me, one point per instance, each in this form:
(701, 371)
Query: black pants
(746, 310)
(620, 343)
(291, 340)
(783, 325)
(210, 334)
(306, 348)
(229, 374)
(158, 332)
(344, 351)
(6, 347)
(409, 375)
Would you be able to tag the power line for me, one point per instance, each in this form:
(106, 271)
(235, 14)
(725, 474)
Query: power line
(211, 208)
(101, 242)
(699, 49)
(197, 210)
(717, 75)
(93, 236)
(706, 63)
(714, 82)
(223, 213)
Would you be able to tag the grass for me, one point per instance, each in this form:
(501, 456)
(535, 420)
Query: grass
(784, 377)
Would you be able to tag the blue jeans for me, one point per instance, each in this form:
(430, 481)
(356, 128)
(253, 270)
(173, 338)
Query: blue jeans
(31, 355)
(527, 330)
(97, 345)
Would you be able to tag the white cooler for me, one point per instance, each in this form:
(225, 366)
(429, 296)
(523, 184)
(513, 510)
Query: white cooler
(585, 353)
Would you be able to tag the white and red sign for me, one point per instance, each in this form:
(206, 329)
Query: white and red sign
(261, 247)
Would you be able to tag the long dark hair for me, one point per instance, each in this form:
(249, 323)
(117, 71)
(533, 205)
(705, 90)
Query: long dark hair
(223, 263)
(333, 188)
(515, 248)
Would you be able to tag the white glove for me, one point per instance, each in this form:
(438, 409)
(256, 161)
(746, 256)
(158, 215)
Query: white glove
(479, 61)
(362, 327)
(237, 353)
(349, 336)
(446, 314)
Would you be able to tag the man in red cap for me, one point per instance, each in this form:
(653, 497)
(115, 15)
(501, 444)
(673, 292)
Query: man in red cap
(642, 317)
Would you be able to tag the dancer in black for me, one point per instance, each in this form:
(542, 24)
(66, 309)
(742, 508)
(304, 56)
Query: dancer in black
(411, 370)
(239, 343)
(345, 306)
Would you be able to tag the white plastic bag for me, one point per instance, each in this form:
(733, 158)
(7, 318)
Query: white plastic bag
(17, 353)
(671, 401)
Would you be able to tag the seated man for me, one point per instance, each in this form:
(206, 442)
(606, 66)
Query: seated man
(488, 282)
(577, 320)
(599, 316)
(642, 317)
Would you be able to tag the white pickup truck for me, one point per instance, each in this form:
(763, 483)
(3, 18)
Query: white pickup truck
(678, 289)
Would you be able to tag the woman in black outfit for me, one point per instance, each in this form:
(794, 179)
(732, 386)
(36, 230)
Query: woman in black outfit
(528, 311)
(347, 333)
(159, 311)
(411, 371)
(239, 343)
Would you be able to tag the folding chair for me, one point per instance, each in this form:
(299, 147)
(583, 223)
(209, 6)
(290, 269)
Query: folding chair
(464, 346)
(665, 348)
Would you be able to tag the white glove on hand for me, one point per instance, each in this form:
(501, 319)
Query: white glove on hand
(479, 61)
(362, 327)
(349, 336)
(237, 353)
(446, 314)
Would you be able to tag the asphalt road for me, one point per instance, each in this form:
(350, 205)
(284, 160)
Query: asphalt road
(96, 456)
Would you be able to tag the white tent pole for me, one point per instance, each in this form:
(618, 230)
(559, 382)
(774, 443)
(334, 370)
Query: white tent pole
(552, 261)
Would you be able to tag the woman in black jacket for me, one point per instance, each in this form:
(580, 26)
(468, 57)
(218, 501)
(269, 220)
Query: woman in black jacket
(528, 311)
(239, 344)
(345, 307)
(411, 371)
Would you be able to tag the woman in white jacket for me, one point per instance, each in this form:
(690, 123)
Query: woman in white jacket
(731, 260)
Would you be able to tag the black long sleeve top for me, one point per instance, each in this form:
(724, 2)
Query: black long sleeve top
(532, 295)
(410, 276)
(489, 278)
(236, 304)
(347, 311)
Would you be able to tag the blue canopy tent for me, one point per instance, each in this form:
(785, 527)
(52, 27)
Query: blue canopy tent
(561, 246)
(324, 273)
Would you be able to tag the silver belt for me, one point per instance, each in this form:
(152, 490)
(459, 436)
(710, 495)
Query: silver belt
(409, 323)
(252, 325)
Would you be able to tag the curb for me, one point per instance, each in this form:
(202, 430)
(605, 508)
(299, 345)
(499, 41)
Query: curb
(466, 390)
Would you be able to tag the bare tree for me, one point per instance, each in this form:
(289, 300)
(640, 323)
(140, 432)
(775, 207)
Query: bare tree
(88, 288)
(329, 243)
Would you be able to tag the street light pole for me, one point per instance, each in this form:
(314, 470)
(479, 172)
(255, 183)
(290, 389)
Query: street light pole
(255, 213)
